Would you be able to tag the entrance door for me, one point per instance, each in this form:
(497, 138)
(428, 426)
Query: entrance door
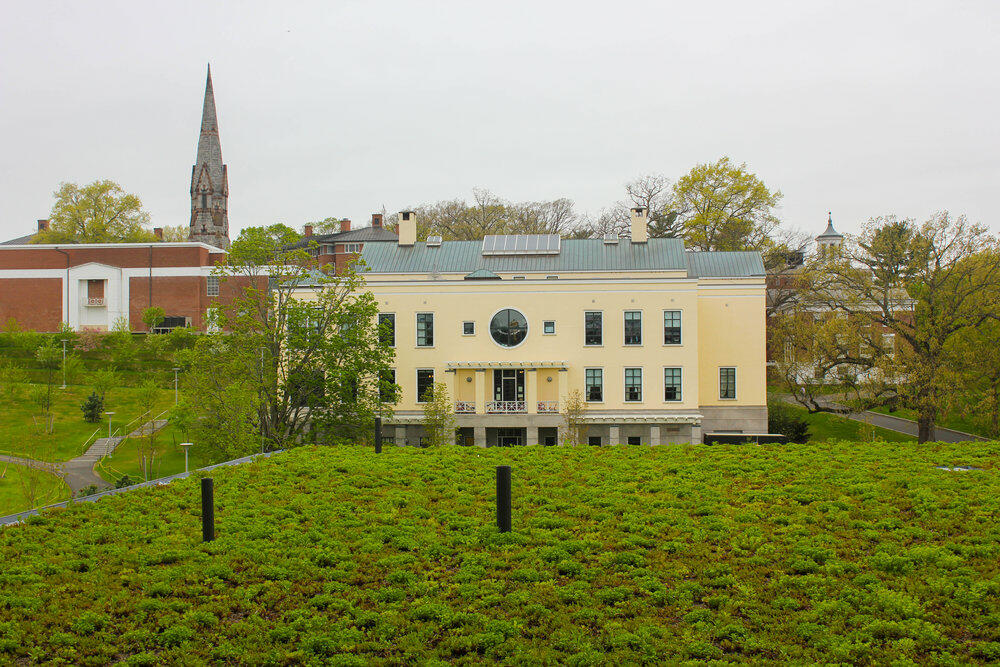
(508, 384)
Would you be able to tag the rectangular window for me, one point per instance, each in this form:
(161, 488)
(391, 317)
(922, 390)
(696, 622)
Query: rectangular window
(548, 326)
(671, 384)
(425, 329)
(594, 441)
(727, 382)
(634, 440)
(671, 327)
(213, 286)
(425, 384)
(594, 384)
(633, 327)
(387, 329)
(633, 385)
(386, 386)
(326, 250)
(593, 327)
(468, 328)
(352, 247)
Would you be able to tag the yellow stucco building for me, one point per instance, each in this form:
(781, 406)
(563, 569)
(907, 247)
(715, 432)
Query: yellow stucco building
(664, 344)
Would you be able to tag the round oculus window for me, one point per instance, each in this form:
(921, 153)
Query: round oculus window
(508, 327)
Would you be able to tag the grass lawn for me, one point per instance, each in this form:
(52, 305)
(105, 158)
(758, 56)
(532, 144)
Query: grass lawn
(168, 461)
(948, 421)
(51, 489)
(824, 426)
(18, 430)
(835, 552)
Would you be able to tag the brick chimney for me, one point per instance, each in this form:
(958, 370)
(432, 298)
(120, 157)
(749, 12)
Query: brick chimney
(43, 225)
(377, 220)
(158, 233)
(345, 225)
(308, 230)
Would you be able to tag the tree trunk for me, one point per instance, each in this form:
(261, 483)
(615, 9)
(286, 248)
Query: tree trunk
(995, 412)
(925, 425)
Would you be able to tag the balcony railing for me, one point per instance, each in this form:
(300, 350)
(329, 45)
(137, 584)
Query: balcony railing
(94, 301)
(505, 407)
(548, 407)
(465, 407)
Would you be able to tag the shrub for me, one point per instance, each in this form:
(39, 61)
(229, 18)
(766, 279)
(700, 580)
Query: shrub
(782, 419)
(123, 482)
(92, 408)
(87, 491)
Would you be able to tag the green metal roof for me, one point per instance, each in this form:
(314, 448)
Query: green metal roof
(575, 255)
(482, 274)
(725, 265)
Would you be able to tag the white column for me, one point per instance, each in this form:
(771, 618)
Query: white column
(615, 436)
(479, 434)
(480, 381)
(532, 437)
(563, 378)
(531, 393)
(695, 434)
(400, 436)
(654, 436)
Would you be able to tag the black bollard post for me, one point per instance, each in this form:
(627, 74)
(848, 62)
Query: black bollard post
(378, 435)
(207, 509)
(503, 498)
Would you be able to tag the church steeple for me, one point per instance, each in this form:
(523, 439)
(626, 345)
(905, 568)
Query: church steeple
(209, 181)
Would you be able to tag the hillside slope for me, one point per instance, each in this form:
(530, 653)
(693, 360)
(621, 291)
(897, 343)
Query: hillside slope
(807, 553)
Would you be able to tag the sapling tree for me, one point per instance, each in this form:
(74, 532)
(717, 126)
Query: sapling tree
(574, 409)
(439, 417)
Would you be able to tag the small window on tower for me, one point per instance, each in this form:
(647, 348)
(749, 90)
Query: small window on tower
(204, 200)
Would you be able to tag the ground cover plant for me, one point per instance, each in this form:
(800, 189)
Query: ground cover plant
(836, 552)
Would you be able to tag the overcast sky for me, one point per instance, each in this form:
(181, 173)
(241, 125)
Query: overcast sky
(336, 109)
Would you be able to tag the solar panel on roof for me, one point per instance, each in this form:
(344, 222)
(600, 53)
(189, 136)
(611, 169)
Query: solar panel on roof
(521, 244)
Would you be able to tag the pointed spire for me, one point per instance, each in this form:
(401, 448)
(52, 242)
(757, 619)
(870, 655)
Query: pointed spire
(209, 149)
(830, 232)
(209, 182)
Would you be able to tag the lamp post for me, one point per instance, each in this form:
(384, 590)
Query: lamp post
(175, 387)
(185, 445)
(64, 341)
(108, 449)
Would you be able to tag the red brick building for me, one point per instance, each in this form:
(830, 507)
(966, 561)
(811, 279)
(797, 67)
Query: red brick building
(92, 285)
(341, 247)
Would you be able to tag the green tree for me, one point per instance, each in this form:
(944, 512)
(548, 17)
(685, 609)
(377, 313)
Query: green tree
(287, 367)
(152, 317)
(723, 206)
(49, 357)
(927, 285)
(439, 417)
(99, 212)
(176, 233)
(256, 247)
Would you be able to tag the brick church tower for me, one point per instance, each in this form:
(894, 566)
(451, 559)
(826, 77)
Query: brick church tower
(209, 182)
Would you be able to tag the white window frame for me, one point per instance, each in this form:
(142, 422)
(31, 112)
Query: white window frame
(673, 310)
(585, 343)
(549, 333)
(680, 391)
(352, 247)
(473, 332)
(736, 385)
(642, 382)
(416, 383)
(586, 394)
(416, 330)
(641, 337)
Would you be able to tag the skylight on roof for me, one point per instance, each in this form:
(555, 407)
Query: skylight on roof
(522, 244)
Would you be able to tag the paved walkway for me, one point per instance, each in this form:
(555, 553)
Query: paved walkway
(893, 423)
(79, 473)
